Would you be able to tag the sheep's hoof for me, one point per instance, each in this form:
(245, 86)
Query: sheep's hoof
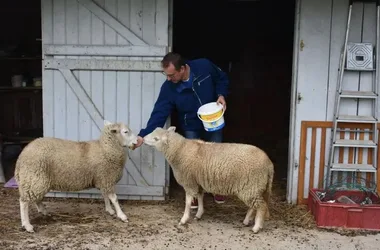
(197, 218)
(182, 223)
(123, 218)
(246, 223)
(29, 228)
(43, 212)
(256, 229)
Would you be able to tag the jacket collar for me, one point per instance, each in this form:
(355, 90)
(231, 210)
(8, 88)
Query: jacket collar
(194, 76)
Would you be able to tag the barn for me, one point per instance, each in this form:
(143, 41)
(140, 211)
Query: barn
(89, 60)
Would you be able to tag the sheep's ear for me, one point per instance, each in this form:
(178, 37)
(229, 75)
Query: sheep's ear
(164, 139)
(107, 123)
(171, 129)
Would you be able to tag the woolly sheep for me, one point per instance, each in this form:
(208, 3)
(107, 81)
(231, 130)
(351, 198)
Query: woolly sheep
(220, 168)
(55, 164)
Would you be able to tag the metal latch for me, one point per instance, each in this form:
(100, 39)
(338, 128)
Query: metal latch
(299, 98)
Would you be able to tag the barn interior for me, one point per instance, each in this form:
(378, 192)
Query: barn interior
(252, 41)
(21, 78)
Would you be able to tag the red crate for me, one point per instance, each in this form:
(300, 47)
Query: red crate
(354, 216)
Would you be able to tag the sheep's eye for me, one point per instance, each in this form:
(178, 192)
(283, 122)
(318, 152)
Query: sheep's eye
(155, 138)
(126, 132)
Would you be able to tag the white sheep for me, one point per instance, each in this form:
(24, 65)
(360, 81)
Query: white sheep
(220, 168)
(56, 164)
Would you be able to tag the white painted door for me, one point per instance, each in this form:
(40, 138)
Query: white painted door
(310, 83)
(101, 61)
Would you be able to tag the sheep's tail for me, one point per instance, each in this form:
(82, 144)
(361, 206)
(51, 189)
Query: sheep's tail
(268, 192)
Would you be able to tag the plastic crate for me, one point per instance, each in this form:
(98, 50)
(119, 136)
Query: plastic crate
(340, 215)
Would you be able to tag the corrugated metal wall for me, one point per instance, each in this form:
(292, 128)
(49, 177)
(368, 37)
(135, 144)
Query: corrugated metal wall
(322, 29)
(120, 96)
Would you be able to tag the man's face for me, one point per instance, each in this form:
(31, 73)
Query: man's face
(172, 74)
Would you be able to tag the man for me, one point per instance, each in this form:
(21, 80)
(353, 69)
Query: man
(189, 85)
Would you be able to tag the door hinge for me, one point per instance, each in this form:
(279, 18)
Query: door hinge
(302, 45)
(299, 98)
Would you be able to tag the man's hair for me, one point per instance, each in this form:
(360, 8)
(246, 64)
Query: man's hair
(174, 58)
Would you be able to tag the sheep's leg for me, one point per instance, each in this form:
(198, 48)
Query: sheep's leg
(267, 214)
(107, 203)
(119, 212)
(248, 217)
(200, 211)
(41, 208)
(186, 215)
(267, 200)
(24, 212)
(260, 215)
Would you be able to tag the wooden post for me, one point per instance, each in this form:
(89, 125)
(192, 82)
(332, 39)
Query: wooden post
(2, 176)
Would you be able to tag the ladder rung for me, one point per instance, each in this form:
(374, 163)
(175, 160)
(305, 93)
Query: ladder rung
(363, 1)
(360, 70)
(356, 119)
(353, 167)
(358, 94)
(355, 143)
(353, 130)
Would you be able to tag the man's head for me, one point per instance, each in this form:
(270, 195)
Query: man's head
(174, 67)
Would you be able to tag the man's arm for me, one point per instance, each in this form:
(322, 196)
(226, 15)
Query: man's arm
(162, 109)
(220, 79)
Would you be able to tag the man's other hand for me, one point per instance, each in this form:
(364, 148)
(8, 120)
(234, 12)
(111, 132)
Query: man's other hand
(222, 101)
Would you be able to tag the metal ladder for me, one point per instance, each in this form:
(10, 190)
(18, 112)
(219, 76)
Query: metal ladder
(359, 57)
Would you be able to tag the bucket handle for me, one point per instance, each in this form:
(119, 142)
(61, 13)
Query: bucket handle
(217, 119)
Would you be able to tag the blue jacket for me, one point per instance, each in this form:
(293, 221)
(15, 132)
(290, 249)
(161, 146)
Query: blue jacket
(206, 83)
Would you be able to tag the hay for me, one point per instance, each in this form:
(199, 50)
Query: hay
(289, 214)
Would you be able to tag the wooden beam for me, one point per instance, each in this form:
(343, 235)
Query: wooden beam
(83, 97)
(136, 174)
(125, 190)
(301, 169)
(112, 22)
(98, 64)
(104, 50)
(2, 176)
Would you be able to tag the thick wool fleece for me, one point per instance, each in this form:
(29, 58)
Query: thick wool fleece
(55, 164)
(226, 169)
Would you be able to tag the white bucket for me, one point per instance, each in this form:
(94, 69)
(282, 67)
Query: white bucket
(211, 115)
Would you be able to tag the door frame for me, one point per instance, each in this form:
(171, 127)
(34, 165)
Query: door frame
(291, 192)
(291, 189)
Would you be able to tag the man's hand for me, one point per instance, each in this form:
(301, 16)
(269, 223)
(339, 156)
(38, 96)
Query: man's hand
(140, 141)
(222, 101)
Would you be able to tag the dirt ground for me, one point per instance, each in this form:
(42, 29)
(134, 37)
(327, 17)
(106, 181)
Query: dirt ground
(84, 224)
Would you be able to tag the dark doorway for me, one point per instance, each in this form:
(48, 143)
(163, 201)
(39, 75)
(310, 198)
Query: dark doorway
(21, 113)
(253, 42)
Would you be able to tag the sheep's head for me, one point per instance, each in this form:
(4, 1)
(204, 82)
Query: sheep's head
(122, 132)
(159, 137)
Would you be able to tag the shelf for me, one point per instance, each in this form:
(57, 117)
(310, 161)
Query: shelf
(20, 88)
(19, 58)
